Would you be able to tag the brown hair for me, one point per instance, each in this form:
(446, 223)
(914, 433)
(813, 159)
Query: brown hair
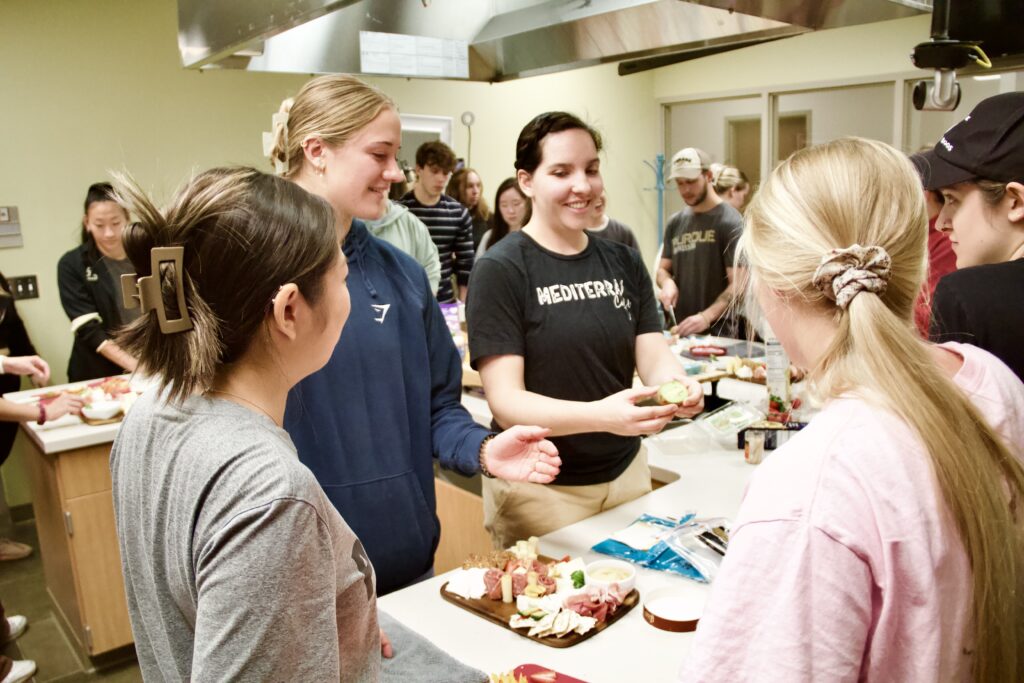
(332, 108)
(435, 153)
(244, 234)
(457, 189)
(814, 202)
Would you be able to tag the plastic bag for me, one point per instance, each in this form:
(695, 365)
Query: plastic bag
(652, 552)
(701, 543)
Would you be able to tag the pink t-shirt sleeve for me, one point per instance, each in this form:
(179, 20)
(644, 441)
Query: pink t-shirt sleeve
(792, 604)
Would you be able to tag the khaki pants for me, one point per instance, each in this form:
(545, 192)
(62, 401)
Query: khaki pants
(517, 510)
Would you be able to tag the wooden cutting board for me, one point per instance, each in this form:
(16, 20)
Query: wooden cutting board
(500, 612)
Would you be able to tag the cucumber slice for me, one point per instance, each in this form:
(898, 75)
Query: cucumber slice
(672, 392)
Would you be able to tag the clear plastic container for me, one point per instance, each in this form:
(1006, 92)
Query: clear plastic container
(726, 422)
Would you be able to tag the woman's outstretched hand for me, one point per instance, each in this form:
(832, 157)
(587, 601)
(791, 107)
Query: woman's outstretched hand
(522, 454)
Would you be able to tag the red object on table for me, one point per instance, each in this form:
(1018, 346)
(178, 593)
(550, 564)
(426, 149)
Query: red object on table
(541, 674)
(706, 351)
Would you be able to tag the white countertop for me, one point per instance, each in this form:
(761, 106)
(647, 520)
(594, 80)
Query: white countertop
(711, 481)
(68, 432)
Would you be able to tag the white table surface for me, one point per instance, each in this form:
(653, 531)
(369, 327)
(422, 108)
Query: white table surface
(68, 432)
(711, 480)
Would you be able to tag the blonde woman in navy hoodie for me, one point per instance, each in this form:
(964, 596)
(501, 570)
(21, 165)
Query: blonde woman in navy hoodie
(389, 401)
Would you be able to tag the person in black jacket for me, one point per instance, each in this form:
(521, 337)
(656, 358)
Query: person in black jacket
(90, 291)
(978, 166)
(18, 358)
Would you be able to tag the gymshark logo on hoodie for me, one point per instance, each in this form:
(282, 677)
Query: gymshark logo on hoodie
(382, 309)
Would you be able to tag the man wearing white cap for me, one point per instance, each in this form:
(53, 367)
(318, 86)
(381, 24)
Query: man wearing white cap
(696, 274)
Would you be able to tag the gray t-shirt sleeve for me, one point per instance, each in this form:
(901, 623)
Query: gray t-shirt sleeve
(263, 577)
(670, 231)
(731, 229)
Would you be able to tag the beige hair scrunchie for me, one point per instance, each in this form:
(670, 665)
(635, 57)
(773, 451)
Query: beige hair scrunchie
(845, 273)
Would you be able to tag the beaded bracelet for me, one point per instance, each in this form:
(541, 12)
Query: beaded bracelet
(483, 465)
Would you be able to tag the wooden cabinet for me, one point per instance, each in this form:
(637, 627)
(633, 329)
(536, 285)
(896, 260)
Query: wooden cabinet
(71, 494)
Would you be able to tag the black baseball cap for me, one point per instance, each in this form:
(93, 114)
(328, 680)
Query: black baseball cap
(988, 144)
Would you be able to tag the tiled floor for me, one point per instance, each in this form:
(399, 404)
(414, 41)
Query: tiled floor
(23, 591)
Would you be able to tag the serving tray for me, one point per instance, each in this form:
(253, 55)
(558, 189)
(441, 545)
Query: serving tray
(500, 612)
(530, 670)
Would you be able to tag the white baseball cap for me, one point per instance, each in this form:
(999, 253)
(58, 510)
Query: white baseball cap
(689, 163)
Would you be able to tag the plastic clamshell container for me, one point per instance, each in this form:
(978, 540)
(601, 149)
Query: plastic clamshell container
(726, 422)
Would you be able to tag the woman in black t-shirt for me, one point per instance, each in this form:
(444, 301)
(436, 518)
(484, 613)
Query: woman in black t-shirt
(88, 278)
(558, 322)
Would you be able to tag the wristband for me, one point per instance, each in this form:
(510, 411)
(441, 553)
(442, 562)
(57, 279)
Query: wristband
(483, 447)
(42, 415)
(2, 359)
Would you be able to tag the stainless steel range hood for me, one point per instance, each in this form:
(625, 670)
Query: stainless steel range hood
(507, 38)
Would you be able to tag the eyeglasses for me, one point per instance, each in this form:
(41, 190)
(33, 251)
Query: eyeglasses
(518, 204)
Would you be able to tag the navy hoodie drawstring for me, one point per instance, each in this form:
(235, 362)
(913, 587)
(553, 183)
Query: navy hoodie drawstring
(356, 238)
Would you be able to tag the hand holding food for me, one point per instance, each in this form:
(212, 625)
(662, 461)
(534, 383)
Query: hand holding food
(669, 293)
(522, 454)
(35, 367)
(694, 324)
(619, 414)
(672, 392)
(62, 405)
(684, 393)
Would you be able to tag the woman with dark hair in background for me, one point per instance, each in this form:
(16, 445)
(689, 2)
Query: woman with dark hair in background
(236, 565)
(513, 210)
(559, 321)
(88, 278)
(466, 188)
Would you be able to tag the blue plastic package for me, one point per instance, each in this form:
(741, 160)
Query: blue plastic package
(660, 556)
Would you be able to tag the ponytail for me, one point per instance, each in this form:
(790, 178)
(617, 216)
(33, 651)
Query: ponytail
(853, 191)
(243, 235)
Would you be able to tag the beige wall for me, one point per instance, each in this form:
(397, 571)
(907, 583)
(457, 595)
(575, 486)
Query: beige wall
(867, 51)
(91, 86)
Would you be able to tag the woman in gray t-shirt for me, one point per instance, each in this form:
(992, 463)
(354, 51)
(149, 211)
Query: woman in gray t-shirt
(236, 565)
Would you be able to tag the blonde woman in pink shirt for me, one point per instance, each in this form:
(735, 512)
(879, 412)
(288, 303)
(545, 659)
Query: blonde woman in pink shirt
(884, 542)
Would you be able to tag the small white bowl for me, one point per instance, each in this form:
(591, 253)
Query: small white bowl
(102, 410)
(604, 567)
(676, 608)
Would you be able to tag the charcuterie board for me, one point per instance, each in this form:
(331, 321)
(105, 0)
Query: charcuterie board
(500, 613)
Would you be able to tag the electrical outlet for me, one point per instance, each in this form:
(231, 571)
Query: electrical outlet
(24, 287)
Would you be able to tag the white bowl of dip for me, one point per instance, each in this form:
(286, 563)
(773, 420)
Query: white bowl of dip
(606, 572)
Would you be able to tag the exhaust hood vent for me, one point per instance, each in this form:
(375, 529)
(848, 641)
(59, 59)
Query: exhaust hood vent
(507, 38)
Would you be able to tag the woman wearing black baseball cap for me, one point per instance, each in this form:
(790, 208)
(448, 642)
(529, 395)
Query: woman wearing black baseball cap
(978, 166)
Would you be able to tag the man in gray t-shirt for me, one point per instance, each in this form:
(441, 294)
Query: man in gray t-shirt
(696, 273)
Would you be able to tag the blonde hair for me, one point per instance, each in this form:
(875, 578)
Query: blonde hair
(332, 108)
(726, 178)
(856, 191)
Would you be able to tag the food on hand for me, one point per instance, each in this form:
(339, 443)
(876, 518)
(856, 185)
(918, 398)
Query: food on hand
(672, 392)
